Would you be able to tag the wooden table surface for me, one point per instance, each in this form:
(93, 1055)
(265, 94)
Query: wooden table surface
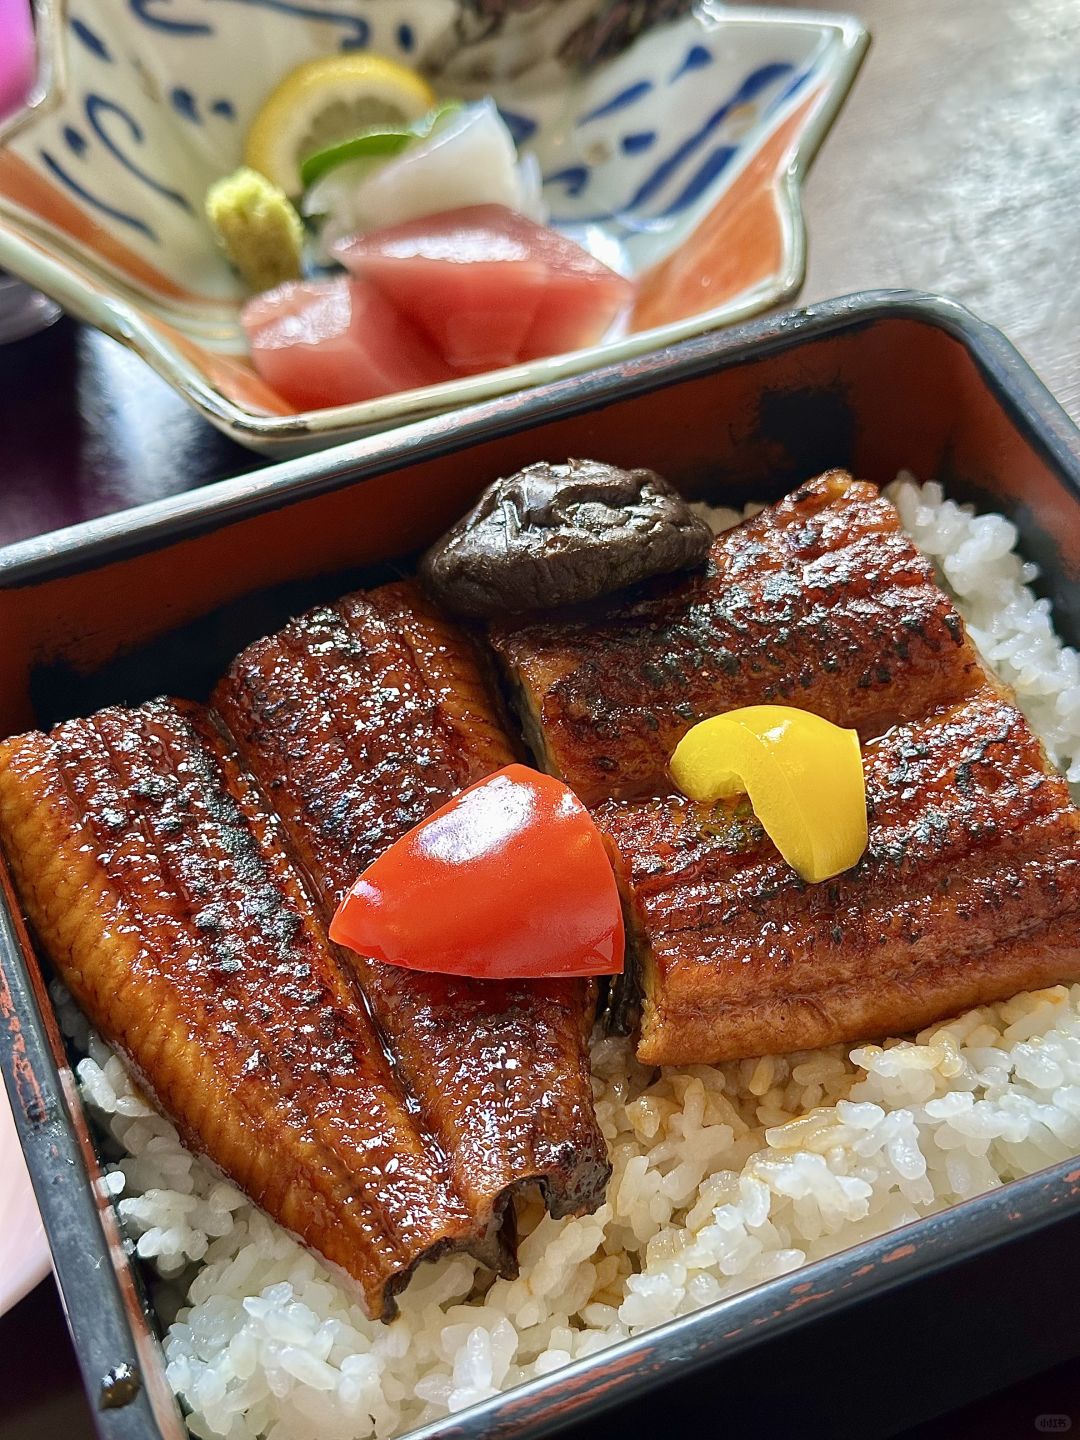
(954, 167)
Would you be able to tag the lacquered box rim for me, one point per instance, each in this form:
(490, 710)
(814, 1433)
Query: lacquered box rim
(28, 1041)
(223, 502)
(872, 1268)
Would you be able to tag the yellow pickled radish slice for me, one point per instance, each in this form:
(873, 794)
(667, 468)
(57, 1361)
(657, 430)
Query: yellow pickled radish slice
(803, 775)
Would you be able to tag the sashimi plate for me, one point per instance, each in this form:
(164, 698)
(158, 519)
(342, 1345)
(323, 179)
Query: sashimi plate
(678, 161)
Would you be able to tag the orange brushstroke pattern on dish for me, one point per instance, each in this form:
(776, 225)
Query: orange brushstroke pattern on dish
(820, 601)
(360, 719)
(158, 883)
(969, 892)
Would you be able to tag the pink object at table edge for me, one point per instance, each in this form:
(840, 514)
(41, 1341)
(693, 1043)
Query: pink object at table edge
(17, 56)
(24, 1251)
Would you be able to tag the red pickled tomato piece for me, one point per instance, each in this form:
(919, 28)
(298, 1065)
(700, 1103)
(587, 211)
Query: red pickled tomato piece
(509, 881)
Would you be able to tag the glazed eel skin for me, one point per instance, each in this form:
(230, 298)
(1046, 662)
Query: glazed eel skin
(181, 877)
(359, 719)
(159, 885)
(819, 601)
(969, 892)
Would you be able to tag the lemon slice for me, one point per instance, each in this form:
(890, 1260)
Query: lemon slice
(327, 101)
(804, 777)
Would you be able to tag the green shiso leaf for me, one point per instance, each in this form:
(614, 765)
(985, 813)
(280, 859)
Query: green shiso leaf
(372, 144)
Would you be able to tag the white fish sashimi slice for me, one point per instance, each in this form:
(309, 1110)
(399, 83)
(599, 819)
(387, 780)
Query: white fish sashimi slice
(468, 159)
(337, 200)
(531, 183)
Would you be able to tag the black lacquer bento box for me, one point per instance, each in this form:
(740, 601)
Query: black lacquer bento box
(159, 598)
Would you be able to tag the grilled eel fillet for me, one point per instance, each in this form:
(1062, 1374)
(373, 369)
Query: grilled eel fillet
(820, 601)
(969, 892)
(359, 719)
(152, 873)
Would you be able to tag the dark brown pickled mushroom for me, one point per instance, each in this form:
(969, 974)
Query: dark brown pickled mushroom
(558, 534)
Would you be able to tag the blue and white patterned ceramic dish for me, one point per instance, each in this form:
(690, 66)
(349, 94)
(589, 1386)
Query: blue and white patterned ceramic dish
(678, 161)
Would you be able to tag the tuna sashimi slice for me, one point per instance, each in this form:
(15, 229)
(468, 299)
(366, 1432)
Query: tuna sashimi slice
(488, 286)
(464, 277)
(582, 301)
(576, 312)
(333, 342)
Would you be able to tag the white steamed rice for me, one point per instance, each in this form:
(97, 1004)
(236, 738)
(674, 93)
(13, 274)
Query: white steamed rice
(724, 1176)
